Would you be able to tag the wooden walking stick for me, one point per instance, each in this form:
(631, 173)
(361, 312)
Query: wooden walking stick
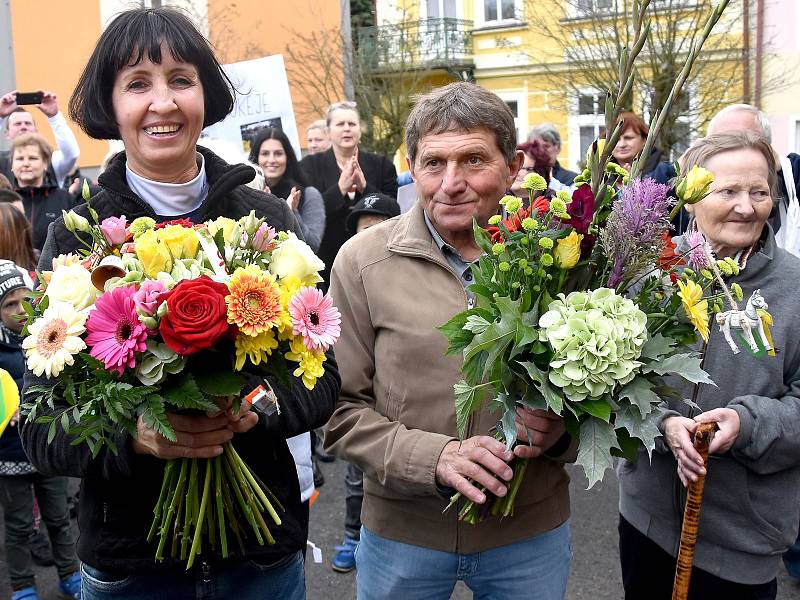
(691, 515)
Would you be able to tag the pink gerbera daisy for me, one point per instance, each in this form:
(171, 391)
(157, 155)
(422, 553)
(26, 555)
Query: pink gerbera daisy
(315, 318)
(115, 332)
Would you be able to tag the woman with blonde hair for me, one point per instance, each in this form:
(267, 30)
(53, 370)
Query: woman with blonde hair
(43, 201)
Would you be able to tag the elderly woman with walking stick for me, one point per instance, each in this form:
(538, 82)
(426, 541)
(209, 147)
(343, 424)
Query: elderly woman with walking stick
(751, 499)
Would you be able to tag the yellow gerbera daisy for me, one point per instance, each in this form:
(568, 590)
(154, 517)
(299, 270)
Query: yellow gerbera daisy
(254, 302)
(695, 306)
(309, 361)
(256, 348)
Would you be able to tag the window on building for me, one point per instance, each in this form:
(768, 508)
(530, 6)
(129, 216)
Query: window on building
(499, 10)
(588, 7)
(520, 122)
(590, 120)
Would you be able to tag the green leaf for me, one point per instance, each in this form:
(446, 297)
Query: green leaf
(597, 438)
(597, 408)
(476, 324)
(640, 392)
(155, 418)
(493, 341)
(628, 446)
(684, 365)
(468, 400)
(554, 400)
(183, 393)
(459, 338)
(481, 237)
(656, 346)
(219, 383)
(508, 426)
(642, 428)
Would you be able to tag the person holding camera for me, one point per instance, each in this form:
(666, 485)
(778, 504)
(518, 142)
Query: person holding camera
(19, 121)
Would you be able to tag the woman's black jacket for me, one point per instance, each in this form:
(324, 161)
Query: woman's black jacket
(118, 492)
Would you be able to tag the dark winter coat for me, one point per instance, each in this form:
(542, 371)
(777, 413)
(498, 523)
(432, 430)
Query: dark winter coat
(43, 205)
(11, 360)
(118, 492)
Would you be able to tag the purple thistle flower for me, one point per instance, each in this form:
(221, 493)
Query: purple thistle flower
(632, 235)
(696, 255)
(643, 207)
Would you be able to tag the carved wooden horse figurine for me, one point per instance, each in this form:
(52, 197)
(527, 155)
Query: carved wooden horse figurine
(745, 320)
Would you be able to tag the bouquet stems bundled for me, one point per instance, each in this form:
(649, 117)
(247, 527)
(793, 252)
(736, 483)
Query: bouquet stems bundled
(197, 494)
(495, 506)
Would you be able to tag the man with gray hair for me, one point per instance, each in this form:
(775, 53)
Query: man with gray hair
(745, 117)
(546, 147)
(394, 285)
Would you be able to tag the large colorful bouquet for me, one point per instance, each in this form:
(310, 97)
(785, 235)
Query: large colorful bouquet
(155, 318)
(583, 305)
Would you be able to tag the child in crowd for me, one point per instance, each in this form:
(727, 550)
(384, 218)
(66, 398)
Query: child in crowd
(369, 211)
(17, 475)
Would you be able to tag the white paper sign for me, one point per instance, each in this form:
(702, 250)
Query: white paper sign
(262, 100)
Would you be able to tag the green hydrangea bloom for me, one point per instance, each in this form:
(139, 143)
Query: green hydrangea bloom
(597, 338)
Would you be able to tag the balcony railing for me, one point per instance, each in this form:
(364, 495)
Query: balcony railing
(423, 44)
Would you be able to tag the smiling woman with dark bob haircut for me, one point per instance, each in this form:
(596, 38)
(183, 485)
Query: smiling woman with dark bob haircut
(131, 37)
(153, 82)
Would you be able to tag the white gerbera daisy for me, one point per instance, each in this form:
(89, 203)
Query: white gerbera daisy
(54, 339)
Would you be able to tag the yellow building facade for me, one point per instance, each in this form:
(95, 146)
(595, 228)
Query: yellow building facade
(521, 50)
(52, 41)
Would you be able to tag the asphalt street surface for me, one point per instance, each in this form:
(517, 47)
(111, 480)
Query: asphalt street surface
(595, 568)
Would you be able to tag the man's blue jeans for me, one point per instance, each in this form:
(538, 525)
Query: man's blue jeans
(536, 568)
(239, 581)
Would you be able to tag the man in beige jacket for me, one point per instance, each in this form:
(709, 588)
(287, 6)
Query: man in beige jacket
(394, 284)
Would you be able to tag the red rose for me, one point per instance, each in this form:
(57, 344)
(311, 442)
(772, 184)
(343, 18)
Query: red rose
(197, 315)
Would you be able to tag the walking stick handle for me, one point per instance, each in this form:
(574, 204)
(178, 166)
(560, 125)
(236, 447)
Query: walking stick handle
(691, 515)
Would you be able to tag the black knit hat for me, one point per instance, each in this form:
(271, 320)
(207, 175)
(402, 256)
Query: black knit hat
(13, 277)
(373, 204)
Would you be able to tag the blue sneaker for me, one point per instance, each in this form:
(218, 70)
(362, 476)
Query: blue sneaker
(344, 560)
(71, 586)
(27, 593)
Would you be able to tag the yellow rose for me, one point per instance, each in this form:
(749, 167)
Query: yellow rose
(226, 225)
(153, 254)
(181, 241)
(293, 257)
(693, 187)
(72, 283)
(568, 250)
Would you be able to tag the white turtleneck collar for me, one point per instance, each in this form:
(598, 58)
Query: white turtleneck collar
(171, 199)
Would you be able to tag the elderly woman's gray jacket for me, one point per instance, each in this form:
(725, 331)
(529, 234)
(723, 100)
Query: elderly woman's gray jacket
(751, 506)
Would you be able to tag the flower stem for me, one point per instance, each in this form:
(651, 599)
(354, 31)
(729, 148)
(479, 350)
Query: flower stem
(161, 496)
(200, 517)
(176, 497)
(218, 484)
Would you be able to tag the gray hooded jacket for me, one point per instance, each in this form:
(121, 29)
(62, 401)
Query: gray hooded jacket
(751, 504)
